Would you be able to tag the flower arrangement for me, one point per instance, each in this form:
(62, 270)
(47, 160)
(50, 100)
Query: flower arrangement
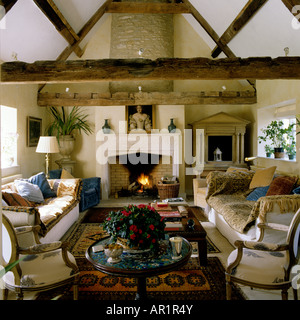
(141, 226)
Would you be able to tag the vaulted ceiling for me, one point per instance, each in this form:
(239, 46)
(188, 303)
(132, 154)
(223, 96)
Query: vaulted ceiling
(262, 27)
(32, 30)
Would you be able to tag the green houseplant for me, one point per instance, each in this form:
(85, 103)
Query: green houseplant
(63, 126)
(141, 226)
(269, 150)
(277, 134)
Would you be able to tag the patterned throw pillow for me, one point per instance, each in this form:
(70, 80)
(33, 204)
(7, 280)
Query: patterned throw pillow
(14, 199)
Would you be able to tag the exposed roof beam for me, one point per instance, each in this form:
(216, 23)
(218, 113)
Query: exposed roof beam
(85, 30)
(249, 10)
(146, 69)
(154, 7)
(291, 5)
(132, 98)
(7, 5)
(58, 20)
(205, 25)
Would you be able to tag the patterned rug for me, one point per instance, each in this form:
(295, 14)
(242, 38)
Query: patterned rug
(191, 282)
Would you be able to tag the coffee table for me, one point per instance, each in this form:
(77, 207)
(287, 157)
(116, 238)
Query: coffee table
(198, 234)
(142, 268)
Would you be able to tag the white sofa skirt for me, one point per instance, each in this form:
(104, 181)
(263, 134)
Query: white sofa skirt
(58, 231)
(275, 216)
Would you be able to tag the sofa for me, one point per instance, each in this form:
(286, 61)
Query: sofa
(238, 200)
(90, 192)
(53, 204)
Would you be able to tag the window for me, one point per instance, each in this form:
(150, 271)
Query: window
(8, 137)
(286, 112)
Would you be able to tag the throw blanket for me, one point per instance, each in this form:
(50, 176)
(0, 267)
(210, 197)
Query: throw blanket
(227, 194)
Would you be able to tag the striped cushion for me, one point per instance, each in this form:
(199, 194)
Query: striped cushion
(14, 199)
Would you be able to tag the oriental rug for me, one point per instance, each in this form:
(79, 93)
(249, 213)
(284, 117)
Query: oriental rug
(191, 282)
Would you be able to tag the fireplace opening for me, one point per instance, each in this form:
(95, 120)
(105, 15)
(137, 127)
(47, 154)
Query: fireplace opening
(142, 178)
(224, 143)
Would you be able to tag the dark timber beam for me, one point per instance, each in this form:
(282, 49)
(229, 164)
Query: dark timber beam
(135, 7)
(291, 5)
(80, 71)
(51, 11)
(249, 10)
(145, 98)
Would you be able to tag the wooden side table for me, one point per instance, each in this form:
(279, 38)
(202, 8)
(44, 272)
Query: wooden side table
(141, 268)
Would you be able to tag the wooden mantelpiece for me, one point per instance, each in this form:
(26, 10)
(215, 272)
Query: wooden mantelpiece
(79, 71)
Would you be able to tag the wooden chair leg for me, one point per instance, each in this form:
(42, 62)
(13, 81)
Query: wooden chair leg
(284, 294)
(295, 292)
(228, 290)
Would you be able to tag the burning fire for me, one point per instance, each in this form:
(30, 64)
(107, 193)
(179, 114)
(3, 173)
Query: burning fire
(144, 180)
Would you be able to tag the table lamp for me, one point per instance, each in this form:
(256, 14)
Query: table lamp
(47, 145)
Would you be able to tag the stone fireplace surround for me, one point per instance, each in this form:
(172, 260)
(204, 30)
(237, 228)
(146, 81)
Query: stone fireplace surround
(111, 146)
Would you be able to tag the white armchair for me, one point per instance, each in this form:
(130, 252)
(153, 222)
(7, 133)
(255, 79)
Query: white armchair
(266, 265)
(41, 267)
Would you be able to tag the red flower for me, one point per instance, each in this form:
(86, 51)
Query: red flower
(134, 228)
(153, 240)
(141, 206)
(132, 236)
(108, 219)
(125, 213)
(148, 236)
(151, 227)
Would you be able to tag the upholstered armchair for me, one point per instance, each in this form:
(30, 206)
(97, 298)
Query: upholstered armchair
(41, 266)
(266, 265)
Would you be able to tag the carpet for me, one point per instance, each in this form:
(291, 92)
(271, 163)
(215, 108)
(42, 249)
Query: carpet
(191, 282)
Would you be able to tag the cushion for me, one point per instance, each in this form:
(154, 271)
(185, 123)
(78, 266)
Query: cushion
(282, 185)
(41, 181)
(14, 199)
(296, 190)
(66, 174)
(262, 177)
(29, 191)
(257, 193)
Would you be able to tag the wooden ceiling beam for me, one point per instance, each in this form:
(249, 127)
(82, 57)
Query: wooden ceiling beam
(249, 10)
(145, 98)
(294, 7)
(51, 11)
(85, 30)
(154, 7)
(206, 26)
(7, 5)
(79, 71)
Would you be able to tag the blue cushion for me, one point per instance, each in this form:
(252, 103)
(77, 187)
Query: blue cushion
(29, 191)
(41, 180)
(296, 190)
(257, 193)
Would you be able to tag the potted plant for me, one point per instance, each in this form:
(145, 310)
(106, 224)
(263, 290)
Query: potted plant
(269, 150)
(276, 132)
(64, 125)
(291, 150)
(140, 227)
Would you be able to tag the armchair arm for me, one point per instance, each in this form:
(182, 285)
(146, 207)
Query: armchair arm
(41, 248)
(273, 226)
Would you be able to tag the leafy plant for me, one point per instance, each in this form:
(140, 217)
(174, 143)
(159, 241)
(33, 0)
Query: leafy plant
(276, 132)
(141, 226)
(268, 149)
(65, 123)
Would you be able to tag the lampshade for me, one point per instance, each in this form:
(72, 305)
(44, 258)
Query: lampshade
(47, 145)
